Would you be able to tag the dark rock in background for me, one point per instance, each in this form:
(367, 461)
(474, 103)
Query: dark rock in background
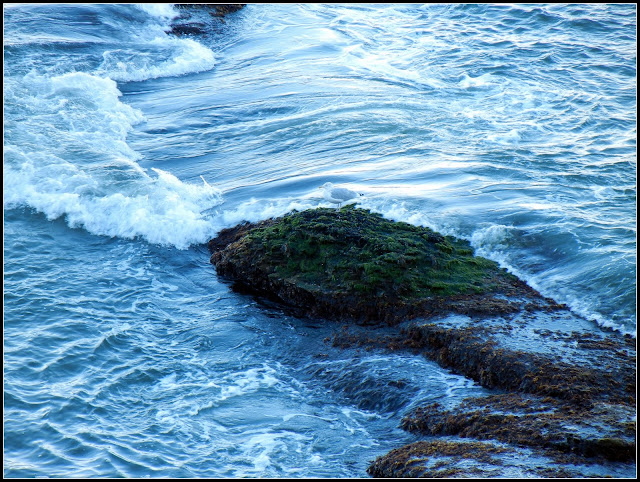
(199, 18)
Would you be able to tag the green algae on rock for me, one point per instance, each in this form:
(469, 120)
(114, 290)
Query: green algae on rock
(355, 264)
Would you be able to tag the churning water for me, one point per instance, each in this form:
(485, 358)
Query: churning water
(126, 149)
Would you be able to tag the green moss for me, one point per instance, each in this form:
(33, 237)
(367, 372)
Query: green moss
(355, 251)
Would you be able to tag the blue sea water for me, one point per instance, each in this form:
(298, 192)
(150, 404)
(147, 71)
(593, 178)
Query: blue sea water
(126, 149)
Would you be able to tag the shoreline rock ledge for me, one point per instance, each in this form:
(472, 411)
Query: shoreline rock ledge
(563, 390)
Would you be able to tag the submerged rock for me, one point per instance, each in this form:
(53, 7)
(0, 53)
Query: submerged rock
(565, 391)
(195, 28)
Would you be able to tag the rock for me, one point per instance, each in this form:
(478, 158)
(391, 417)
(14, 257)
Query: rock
(214, 9)
(187, 29)
(548, 425)
(468, 459)
(438, 459)
(565, 391)
(476, 353)
(200, 19)
(354, 265)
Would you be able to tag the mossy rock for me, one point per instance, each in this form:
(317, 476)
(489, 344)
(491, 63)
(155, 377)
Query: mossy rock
(377, 268)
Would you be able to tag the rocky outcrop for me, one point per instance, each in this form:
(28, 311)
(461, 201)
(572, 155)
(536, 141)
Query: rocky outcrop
(354, 265)
(565, 391)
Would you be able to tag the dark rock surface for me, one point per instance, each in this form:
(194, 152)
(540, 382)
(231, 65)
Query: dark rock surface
(214, 9)
(535, 422)
(565, 393)
(200, 18)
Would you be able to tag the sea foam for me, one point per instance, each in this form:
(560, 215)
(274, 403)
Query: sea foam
(163, 11)
(164, 57)
(150, 53)
(70, 158)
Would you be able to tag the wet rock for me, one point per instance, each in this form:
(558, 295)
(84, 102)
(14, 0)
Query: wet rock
(438, 459)
(577, 409)
(550, 426)
(200, 19)
(565, 392)
(214, 9)
(474, 352)
(466, 459)
(231, 235)
(187, 29)
(354, 265)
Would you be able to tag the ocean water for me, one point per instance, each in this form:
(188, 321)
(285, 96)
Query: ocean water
(126, 149)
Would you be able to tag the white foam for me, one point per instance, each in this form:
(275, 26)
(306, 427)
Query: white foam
(165, 211)
(85, 106)
(160, 56)
(398, 211)
(261, 446)
(248, 381)
(487, 239)
(163, 11)
(257, 210)
(483, 80)
(505, 138)
(70, 158)
(150, 53)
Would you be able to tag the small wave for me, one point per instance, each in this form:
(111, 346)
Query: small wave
(69, 157)
(162, 56)
(75, 102)
(163, 11)
(495, 242)
(489, 238)
(483, 80)
(165, 211)
(505, 138)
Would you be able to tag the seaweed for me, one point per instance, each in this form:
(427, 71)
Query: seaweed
(355, 264)
(356, 251)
